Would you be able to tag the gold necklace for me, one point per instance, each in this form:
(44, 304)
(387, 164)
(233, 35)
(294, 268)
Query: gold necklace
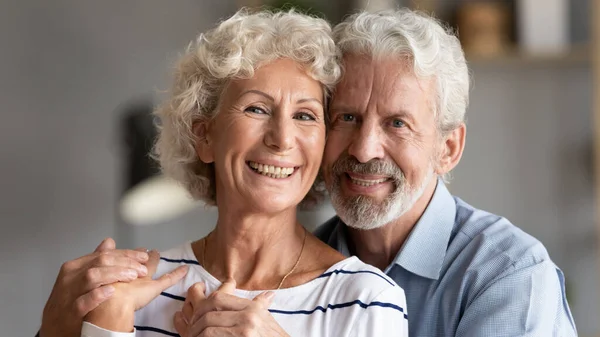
(284, 277)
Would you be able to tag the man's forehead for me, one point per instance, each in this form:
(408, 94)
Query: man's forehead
(387, 86)
(388, 78)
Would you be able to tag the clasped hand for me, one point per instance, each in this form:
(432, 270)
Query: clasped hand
(223, 314)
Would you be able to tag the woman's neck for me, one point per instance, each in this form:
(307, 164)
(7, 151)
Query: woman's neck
(256, 250)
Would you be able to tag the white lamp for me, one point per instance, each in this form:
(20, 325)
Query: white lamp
(156, 200)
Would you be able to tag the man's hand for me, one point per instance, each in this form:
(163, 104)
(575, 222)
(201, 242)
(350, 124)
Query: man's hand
(223, 314)
(117, 313)
(84, 283)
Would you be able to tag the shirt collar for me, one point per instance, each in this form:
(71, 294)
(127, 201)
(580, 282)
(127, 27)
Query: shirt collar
(424, 250)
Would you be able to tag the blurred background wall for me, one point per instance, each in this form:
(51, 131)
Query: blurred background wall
(68, 67)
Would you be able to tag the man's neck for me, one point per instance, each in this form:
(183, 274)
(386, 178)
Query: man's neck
(379, 246)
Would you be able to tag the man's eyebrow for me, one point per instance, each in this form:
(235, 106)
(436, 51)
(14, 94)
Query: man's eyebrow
(342, 108)
(400, 113)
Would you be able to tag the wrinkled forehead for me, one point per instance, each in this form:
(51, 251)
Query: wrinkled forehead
(389, 84)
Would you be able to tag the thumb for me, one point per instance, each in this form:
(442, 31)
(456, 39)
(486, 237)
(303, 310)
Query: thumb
(170, 278)
(228, 286)
(106, 244)
(152, 264)
(264, 299)
(152, 288)
(180, 324)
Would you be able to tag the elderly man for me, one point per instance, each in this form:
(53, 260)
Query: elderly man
(397, 129)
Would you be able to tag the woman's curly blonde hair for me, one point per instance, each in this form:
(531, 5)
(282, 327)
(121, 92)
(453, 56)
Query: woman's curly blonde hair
(233, 50)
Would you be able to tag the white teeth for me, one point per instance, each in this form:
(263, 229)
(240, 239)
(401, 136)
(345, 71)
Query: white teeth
(367, 183)
(272, 171)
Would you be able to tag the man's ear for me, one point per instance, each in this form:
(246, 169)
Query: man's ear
(203, 144)
(451, 149)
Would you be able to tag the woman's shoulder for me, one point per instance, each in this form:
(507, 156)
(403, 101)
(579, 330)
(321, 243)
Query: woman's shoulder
(175, 257)
(353, 281)
(362, 289)
(356, 276)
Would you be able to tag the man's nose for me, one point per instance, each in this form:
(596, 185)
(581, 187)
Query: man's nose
(367, 143)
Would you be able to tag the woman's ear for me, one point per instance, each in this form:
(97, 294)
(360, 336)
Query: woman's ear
(203, 144)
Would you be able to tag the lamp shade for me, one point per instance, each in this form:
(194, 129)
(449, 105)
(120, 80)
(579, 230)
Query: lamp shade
(147, 197)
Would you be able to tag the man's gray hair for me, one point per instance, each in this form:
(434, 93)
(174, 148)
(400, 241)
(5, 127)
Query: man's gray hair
(434, 51)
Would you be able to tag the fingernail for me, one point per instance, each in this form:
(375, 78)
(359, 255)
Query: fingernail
(143, 270)
(143, 256)
(132, 274)
(269, 295)
(109, 291)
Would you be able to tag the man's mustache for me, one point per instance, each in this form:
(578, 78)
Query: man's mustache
(347, 163)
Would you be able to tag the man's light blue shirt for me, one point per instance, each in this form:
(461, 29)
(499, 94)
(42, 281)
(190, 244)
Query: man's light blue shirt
(467, 272)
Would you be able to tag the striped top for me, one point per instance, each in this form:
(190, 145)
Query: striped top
(350, 299)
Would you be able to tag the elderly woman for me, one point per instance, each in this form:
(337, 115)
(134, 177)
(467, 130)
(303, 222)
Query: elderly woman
(244, 129)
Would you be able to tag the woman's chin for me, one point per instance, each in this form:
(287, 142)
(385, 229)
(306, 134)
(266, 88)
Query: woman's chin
(272, 205)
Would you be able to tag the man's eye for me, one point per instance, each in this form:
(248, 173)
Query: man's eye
(303, 116)
(347, 118)
(255, 110)
(397, 123)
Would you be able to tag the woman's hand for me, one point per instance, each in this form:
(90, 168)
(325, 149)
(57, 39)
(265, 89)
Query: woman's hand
(223, 314)
(117, 313)
(84, 283)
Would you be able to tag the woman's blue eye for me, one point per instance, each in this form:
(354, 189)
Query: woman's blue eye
(255, 110)
(397, 123)
(304, 117)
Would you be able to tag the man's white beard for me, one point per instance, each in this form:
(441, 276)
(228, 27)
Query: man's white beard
(362, 212)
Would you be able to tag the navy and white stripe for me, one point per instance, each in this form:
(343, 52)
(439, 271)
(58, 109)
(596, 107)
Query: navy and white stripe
(350, 299)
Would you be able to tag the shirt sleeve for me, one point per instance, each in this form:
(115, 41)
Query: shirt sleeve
(527, 302)
(386, 315)
(90, 330)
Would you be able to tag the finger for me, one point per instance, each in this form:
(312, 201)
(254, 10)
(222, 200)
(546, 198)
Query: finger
(169, 279)
(105, 258)
(90, 300)
(153, 259)
(138, 255)
(195, 295)
(187, 312)
(75, 272)
(219, 301)
(227, 287)
(106, 244)
(180, 324)
(98, 276)
(118, 260)
(215, 319)
(264, 300)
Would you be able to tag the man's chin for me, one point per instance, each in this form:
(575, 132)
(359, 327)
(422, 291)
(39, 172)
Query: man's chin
(361, 212)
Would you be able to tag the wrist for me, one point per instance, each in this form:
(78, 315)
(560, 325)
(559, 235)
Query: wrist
(113, 315)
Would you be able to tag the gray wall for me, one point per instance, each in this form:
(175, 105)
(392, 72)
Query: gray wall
(66, 66)
(528, 158)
